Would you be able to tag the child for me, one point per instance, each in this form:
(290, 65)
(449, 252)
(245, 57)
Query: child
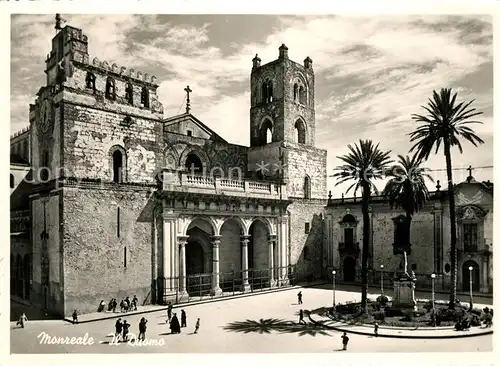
(22, 320)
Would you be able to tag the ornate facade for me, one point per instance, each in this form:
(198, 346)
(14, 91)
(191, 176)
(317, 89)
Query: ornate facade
(429, 246)
(124, 201)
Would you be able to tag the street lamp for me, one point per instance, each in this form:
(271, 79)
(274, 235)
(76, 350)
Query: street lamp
(433, 276)
(470, 287)
(381, 280)
(333, 284)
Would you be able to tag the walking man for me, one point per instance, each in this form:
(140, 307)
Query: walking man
(301, 317)
(183, 318)
(299, 297)
(142, 329)
(118, 328)
(75, 317)
(345, 340)
(134, 302)
(375, 329)
(197, 326)
(125, 330)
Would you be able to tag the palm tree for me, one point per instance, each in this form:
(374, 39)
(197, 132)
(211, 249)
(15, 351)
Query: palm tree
(406, 189)
(364, 163)
(445, 123)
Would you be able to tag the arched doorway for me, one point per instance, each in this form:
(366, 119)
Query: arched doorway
(199, 258)
(349, 269)
(194, 164)
(466, 276)
(258, 255)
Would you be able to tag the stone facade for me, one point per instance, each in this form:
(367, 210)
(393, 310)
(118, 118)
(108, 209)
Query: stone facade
(429, 238)
(126, 202)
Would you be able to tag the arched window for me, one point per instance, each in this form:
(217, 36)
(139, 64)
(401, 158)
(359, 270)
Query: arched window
(12, 181)
(129, 93)
(302, 95)
(295, 92)
(267, 91)
(110, 89)
(145, 97)
(307, 187)
(300, 132)
(118, 164)
(193, 163)
(266, 132)
(90, 81)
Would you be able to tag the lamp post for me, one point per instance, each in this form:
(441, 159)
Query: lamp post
(433, 276)
(381, 280)
(470, 287)
(333, 284)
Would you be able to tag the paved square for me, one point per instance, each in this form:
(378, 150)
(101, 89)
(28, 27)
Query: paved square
(247, 325)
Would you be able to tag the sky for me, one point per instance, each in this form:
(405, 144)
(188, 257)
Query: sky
(371, 72)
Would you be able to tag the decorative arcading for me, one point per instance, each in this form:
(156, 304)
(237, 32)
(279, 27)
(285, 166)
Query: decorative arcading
(122, 70)
(19, 132)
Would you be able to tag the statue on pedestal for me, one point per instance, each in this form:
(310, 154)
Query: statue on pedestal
(404, 262)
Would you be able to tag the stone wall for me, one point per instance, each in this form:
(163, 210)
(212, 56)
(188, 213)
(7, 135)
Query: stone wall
(310, 212)
(50, 220)
(94, 267)
(91, 133)
(302, 160)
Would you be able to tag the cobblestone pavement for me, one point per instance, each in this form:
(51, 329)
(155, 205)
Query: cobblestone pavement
(246, 325)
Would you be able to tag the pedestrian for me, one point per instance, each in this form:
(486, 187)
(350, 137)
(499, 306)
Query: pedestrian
(301, 317)
(102, 307)
(125, 330)
(375, 329)
(142, 329)
(22, 320)
(122, 305)
(169, 312)
(134, 302)
(345, 340)
(118, 328)
(175, 327)
(75, 317)
(127, 303)
(299, 296)
(115, 303)
(197, 326)
(110, 305)
(183, 318)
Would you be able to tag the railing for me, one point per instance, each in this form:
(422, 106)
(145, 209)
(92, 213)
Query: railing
(177, 180)
(19, 214)
(199, 286)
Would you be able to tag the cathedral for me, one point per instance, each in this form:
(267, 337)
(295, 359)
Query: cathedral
(111, 198)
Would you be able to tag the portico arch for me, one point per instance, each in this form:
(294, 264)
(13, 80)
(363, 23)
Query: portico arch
(205, 223)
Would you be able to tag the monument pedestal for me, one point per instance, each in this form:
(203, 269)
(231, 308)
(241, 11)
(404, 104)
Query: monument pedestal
(404, 292)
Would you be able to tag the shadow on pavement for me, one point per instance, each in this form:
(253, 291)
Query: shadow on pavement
(32, 312)
(267, 326)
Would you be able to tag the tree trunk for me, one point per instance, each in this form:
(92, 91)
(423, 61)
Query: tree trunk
(453, 225)
(408, 218)
(366, 243)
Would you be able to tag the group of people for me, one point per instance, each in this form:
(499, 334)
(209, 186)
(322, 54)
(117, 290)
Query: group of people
(175, 326)
(122, 330)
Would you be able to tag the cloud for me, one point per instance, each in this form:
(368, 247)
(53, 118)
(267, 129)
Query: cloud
(371, 73)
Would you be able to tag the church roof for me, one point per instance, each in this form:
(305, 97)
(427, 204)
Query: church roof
(189, 117)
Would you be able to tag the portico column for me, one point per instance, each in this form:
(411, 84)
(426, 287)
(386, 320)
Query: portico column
(283, 241)
(182, 241)
(271, 241)
(168, 248)
(216, 290)
(244, 259)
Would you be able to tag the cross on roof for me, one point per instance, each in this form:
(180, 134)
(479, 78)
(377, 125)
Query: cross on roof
(188, 90)
(469, 178)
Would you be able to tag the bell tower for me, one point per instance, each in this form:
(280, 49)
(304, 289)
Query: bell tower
(282, 101)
